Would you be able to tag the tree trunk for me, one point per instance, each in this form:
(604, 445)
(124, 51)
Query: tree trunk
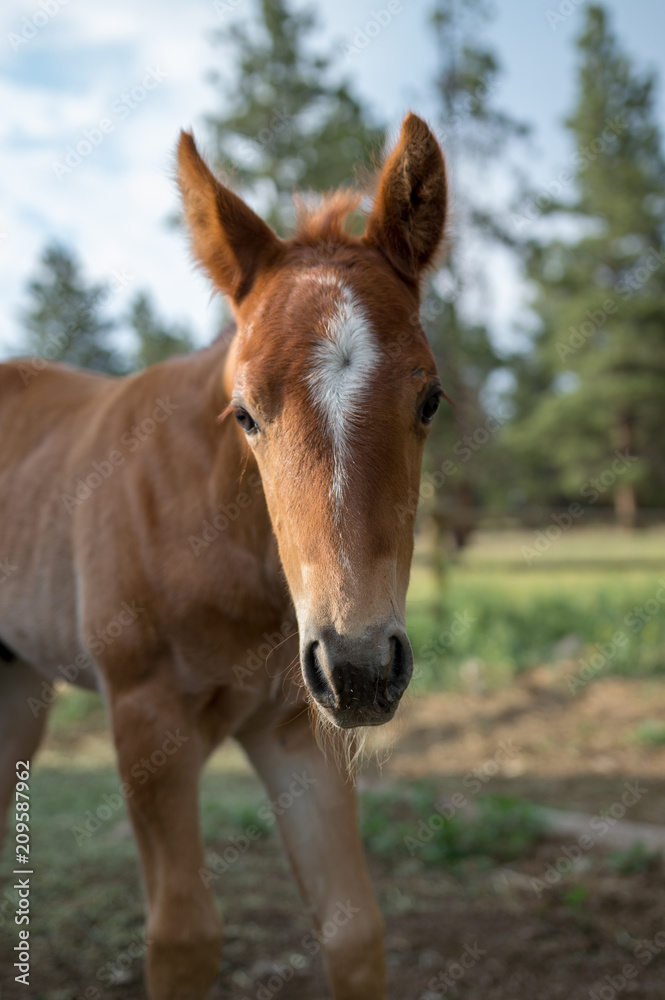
(625, 506)
(625, 501)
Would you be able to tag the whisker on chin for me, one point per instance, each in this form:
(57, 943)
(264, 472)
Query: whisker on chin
(349, 749)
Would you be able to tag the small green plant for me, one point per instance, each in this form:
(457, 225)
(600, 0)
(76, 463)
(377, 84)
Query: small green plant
(575, 897)
(406, 823)
(634, 860)
(651, 732)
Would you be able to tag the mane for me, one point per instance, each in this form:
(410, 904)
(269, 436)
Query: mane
(325, 219)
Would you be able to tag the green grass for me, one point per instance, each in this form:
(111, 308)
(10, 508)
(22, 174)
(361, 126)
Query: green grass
(86, 903)
(74, 707)
(498, 615)
(651, 732)
(403, 823)
(87, 922)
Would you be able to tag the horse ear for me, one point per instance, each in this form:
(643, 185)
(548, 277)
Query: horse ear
(229, 240)
(409, 213)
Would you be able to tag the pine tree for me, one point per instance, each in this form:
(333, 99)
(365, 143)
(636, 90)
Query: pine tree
(475, 132)
(65, 319)
(599, 351)
(155, 340)
(289, 121)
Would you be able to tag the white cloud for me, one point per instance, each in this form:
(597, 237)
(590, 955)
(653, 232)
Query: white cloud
(111, 207)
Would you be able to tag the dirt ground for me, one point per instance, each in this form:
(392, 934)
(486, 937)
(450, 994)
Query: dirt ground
(536, 741)
(572, 752)
(580, 936)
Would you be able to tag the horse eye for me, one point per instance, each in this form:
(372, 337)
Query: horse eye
(429, 407)
(247, 423)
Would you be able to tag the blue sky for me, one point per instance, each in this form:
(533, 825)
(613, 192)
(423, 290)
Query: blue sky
(140, 67)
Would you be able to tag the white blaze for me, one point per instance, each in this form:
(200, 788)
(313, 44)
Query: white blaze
(343, 362)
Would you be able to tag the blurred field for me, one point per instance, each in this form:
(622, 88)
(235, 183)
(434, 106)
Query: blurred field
(512, 615)
(502, 682)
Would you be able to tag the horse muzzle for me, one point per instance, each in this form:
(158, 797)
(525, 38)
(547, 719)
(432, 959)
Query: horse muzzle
(357, 681)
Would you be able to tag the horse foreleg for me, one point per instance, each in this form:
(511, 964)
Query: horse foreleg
(160, 757)
(23, 713)
(316, 809)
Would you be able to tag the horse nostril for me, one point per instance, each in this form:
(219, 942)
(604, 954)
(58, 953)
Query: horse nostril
(401, 668)
(317, 682)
